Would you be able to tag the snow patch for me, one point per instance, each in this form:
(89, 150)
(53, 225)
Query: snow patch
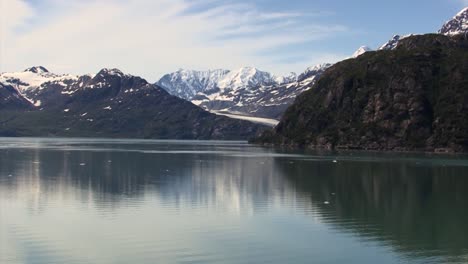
(258, 120)
(28, 80)
(360, 51)
(68, 92)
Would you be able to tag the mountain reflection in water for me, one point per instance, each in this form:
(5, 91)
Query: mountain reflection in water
(114, 201)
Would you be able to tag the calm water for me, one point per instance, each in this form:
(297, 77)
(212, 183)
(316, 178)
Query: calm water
(127, 201)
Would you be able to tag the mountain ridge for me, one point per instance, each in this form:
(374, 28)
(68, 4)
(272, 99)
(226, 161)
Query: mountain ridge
(107, 104)
(457, 25)
(248, 90)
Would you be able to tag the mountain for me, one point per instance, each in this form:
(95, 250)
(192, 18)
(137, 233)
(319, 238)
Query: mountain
(247, 91)
(360, 51)
(266, 98)
(414, 97)
(245, 77)
(457, 25)
(187, 83)
(107, 104)
(12, 99)
(34, 77)
(393, 42)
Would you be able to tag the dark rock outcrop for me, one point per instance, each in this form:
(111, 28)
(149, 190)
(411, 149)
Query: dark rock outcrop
(11, 99)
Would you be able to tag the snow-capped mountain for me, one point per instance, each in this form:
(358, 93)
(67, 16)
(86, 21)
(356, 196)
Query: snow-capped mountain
(246, 91)
(36, 102)
(360, 51)
(393, 42)
(31, 82)
(389, 45)
(248, 77)
(457, 25)
(249, 91)
(33, 78)
(291, 77)
(234, 91)
(187, 84)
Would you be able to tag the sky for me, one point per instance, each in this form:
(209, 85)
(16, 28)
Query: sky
(149, 38)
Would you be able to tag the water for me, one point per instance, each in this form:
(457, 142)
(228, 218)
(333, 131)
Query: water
(131, 201)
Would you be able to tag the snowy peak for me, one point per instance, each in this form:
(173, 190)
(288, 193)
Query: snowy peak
(313, 71)
(457, 25)
(32, 78)
(318, 67)
(391, 44)
(37, 69)
(360, 51)
(113, 71)
(209, 77)
(291, 77)
(202, 75)
(246, 91)
(187, 83)
(246, 77)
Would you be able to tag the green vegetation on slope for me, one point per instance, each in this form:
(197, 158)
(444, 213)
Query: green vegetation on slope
(412, 98)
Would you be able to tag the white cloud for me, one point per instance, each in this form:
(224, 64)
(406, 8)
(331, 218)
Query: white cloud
(149, 38)
(15, 18)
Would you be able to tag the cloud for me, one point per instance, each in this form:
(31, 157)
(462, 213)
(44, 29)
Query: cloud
(150, 38)
(15, 18)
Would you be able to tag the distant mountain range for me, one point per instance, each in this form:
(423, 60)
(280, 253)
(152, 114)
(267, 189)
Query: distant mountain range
(246, 91)
(241, 91)
(36, 102)
(110, 103)
(252, 92)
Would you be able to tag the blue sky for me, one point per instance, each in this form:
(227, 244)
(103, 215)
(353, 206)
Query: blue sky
(153, 37)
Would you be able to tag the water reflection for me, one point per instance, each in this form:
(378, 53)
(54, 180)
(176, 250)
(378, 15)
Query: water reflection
(419, 210)
(202, 202)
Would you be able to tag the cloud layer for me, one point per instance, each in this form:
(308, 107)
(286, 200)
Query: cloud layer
(150, 38)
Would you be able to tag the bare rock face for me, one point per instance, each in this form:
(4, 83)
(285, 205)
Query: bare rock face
(414, 97)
